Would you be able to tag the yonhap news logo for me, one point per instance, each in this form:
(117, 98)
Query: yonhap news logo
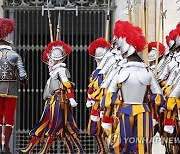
(116, 139)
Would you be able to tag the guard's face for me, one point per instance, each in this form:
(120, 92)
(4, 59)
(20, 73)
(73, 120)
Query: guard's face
(152, 63)
(97, 61)
(51, 63)
(50, 68)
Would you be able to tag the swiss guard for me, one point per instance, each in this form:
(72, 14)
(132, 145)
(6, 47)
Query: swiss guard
(127, 95)
(172, 87)
(57, 120)
(11, 69)
(172, 41)
(152, 50)
(98, 48)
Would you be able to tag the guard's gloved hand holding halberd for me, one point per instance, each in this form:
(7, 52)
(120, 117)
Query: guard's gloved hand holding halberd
(72, 101)
(69, 86)
(161, 110)
(90, 102)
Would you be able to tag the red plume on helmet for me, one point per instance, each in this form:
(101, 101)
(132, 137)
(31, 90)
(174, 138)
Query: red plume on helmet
(167, 39)
(171, 37)
(140, 42)
(100, 42)
(50, 46)
(154, 45)
(178, 26)
(173, 34)
(132, 35)
(121, 25)
(178, 29)
(6, 27)
(137, 40)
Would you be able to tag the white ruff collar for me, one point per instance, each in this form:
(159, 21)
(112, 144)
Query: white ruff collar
(59, 65)
(5, 47)
(56, 68)
(135, 64)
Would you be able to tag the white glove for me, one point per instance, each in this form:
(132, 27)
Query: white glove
(107, 126)
(95, 118)
(89, 96)
(73, 102)
(169, 129)
(90, 103)
(154, 122)
(162, 109)
(101, 114)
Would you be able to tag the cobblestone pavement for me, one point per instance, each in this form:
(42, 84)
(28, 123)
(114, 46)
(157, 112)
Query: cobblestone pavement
(157, 147)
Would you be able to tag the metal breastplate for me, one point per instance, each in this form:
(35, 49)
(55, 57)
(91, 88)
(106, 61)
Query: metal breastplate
(104, 60)
(163, 62)
(8, 61)
(58, 75)
(109, 64)
(52, 85)
(172, 76)
(167, 70)
(109, 77)
(134, 86)
(152, 68)
(175, 92)
(111, 73)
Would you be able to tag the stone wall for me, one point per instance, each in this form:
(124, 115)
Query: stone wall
(1, 9)
(172, 16)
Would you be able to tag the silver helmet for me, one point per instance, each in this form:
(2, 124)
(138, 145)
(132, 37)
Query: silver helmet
(57, 53)
(56, 50)
(100, 52)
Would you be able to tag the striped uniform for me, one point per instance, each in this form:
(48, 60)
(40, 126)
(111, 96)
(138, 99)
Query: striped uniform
(128, 91)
